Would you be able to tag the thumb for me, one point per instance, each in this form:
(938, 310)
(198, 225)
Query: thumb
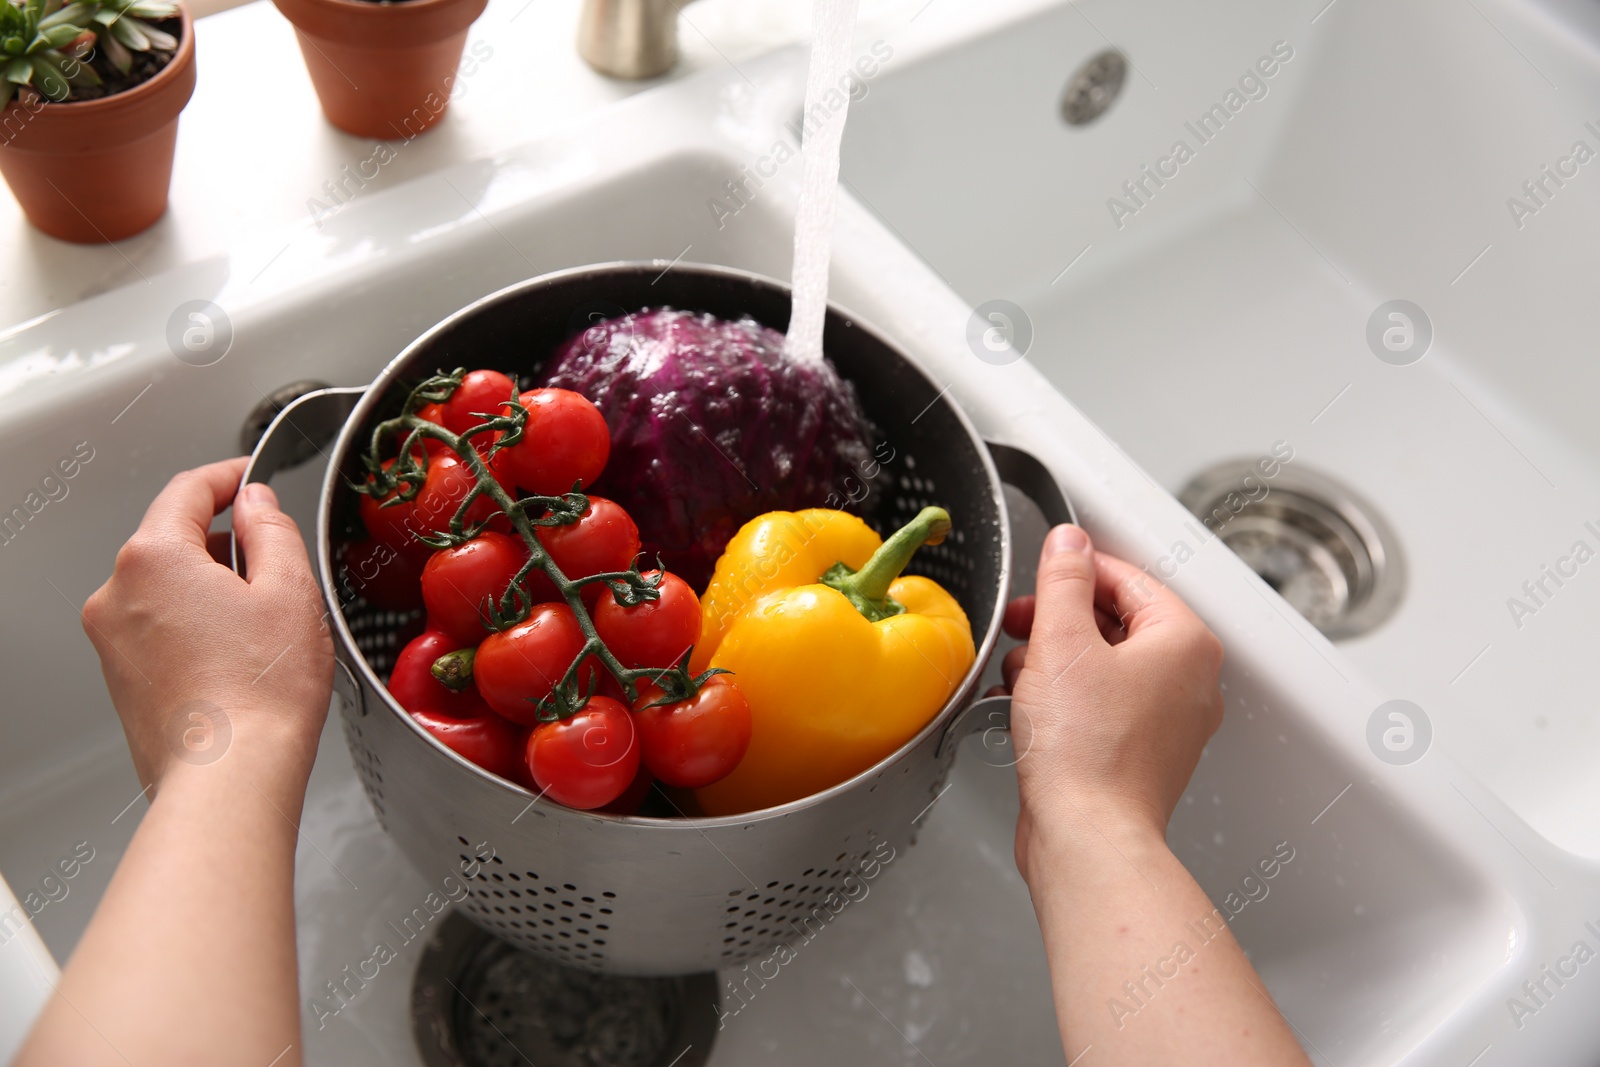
(1063, 622)
(269, 539)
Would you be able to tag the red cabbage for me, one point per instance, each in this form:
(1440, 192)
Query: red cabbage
(711, 425)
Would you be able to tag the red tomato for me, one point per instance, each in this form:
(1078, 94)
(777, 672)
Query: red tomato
(487, 740)
(458, 583)
(516, 668)
(604, 539)
(447, 485)
(523, 776)
(381, 574)
(412, 682)
(694, 742)
(479, 391)
(588, 760)
(656, 633)
(633, 797)
(391, 525)
(434, 413)
(564, 441)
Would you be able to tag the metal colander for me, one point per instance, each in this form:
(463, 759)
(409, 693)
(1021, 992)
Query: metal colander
(640, 895)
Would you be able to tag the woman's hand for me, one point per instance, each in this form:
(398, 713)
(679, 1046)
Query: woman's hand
(222, 684)
(1115, 693)
(196, 656)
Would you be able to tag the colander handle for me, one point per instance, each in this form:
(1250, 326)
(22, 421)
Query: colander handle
(304, 429)
(1024, 472)
(991, 716)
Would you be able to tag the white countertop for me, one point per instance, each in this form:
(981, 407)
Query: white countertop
(253, 146)
(254, 150)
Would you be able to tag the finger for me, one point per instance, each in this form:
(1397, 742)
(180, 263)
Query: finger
(1018, 620)
(1132, 596)
(1063, 615)
(220, 544)
(997, 691)
(269, 539)
(1110, 626)
(1012, 664)
(185, 508)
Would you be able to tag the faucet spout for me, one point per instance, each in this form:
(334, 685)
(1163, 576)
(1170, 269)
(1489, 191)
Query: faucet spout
(631, 39)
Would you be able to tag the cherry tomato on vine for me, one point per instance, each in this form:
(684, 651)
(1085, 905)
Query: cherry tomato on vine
(486, 739)
(695, 742)
(479, 391)
(604, 539)
(633, 797)
(588, 760)
(447, 485)
(434, 413)
(391, 525)
(412, 682)
(656, 633)
(380, 574)
(458, 583)
(564, 441)
(516, 668)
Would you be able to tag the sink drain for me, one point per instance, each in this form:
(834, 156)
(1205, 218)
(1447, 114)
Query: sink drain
(1324, 549)
(480, 1002)
(1093, 87)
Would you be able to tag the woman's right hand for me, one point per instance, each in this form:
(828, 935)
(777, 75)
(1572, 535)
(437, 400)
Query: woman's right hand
(1114, 695)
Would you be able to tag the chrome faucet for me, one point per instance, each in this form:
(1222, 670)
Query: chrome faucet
(629, 38)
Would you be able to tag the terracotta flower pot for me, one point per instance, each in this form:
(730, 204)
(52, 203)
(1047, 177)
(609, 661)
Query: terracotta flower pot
(98, 170)
(382, 70)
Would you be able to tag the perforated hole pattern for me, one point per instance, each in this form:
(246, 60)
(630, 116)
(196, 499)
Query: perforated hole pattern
(787, 911)
(563, 922)
(556, 919)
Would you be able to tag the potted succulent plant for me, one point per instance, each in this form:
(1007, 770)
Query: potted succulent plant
(89, 99)
(382, 69)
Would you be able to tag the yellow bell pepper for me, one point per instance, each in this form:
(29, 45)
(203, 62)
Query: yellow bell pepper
(842, 660)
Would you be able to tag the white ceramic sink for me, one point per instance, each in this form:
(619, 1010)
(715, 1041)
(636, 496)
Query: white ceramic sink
(1226, 309)
(1418, 901)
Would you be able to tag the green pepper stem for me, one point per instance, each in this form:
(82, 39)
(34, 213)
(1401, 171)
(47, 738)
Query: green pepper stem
(868, 588)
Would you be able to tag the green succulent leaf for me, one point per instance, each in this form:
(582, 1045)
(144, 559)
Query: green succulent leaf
(13, 46)
(48, 76)
(153, 9)
(79, 15)
(131, 33)
(159, 39)
(7, 91)
(105, 16)
(20, 71)
(55, 37)
(118, 56)
(80, 74)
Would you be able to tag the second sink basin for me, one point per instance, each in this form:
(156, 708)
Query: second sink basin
(1237, 306)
